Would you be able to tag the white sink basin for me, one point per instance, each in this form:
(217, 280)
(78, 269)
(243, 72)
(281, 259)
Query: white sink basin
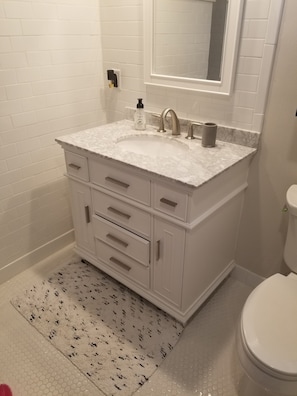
(154, 146)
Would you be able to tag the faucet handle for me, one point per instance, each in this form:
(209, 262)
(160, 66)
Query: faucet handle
(190, 129)
(160, 129)
(156, 117)
(190, 132)
(162, 121)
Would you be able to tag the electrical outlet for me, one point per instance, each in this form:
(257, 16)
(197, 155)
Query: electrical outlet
(118, 74)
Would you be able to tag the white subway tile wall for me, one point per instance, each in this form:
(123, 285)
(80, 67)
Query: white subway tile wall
(53, 61)
(51, 84)
(122, 22)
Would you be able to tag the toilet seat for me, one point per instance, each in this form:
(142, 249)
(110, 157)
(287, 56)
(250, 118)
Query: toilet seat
(272, 347)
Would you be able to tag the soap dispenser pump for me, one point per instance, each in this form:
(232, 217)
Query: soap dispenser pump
(139, 116)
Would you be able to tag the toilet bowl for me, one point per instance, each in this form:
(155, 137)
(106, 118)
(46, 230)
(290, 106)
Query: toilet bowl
(267, 335)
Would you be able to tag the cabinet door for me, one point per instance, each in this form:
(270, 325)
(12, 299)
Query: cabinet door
(168, 263)
(81, 214)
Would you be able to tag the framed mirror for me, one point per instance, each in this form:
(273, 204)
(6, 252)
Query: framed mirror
(192, 44)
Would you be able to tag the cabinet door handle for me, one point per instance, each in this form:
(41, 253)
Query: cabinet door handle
(117, 182)
(118, 212)
(158, 255)
(87, 214)
(168, 202)
(74, 166)
(117, 240)
(119, 263)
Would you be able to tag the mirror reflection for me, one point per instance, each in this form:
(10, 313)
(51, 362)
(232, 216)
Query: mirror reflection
(188, 38)
(186, 51)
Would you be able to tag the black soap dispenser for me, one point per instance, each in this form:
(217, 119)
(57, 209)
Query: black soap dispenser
(139, 117)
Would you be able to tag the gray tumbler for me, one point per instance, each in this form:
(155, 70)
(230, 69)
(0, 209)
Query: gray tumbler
(209, 134)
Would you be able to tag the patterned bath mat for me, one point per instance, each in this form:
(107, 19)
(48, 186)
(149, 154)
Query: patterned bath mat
(112, 335)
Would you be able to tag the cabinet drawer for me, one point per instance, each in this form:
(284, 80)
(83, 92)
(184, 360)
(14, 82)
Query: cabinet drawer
(121, 213)
(125, 241)
(123, 264)
(169, 201)
(124, 183)
(77, 165)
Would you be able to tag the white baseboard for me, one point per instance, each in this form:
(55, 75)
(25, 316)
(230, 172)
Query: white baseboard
(33, 257)
(245, 276)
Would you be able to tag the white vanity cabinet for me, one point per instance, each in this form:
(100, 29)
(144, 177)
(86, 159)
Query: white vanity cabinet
(169, 242)
(81, 214)
(80, 194)
(168, 262)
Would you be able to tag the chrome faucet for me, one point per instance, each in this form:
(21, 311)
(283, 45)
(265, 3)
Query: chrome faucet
(175, 122)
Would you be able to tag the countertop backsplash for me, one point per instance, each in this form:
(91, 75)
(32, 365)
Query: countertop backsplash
(224, 134)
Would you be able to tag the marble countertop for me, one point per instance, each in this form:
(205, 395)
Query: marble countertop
(193, 166)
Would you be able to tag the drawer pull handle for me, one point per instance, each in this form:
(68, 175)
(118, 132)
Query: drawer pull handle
(87, 214)
(117, 240)
(168, 202)
(74, 166)
(119, 263)
(117, 182)
(118, 212)
(158, 250)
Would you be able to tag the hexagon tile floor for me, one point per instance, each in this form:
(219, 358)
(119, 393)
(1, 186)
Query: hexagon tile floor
(203, 363)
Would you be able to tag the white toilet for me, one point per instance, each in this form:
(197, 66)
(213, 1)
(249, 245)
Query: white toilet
(267, 335)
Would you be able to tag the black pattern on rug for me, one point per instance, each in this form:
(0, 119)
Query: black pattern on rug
(111, 334)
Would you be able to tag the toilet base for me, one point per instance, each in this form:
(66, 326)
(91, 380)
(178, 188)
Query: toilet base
(256, 382)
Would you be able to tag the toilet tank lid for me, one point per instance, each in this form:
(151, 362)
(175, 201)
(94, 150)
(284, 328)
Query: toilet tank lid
(291, 198)
(269, 323)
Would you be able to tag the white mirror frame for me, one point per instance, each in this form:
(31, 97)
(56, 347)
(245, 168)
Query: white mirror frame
(229, 59)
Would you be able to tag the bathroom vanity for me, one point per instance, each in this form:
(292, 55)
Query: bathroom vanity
(165, 225)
